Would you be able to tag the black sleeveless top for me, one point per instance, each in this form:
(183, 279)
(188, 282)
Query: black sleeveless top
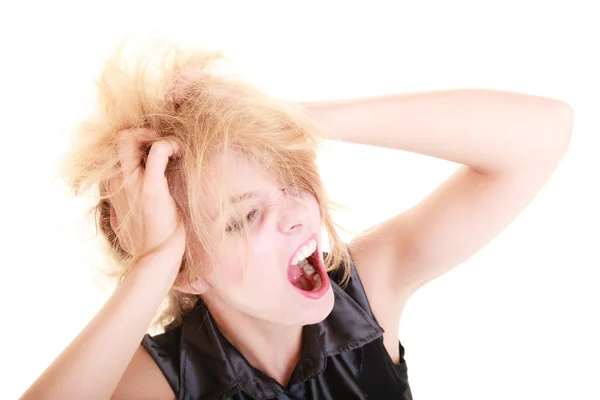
(343, 357)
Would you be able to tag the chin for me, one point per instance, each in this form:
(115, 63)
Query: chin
(315, 311)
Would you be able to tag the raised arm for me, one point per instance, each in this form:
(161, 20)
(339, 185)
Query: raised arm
(508, 144)
(94, 363)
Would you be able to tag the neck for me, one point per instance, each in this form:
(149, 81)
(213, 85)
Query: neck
(271, 348)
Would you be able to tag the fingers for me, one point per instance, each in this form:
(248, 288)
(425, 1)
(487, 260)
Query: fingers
(131, 156)
(158, 159)
(129, 149)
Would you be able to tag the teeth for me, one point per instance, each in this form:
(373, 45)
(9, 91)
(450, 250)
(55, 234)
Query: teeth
(308, 269)
(305, 251)
(318, 286)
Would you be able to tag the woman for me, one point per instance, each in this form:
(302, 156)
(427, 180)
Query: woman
(210, 197)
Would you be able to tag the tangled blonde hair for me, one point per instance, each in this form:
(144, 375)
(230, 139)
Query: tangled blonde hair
(183, 93)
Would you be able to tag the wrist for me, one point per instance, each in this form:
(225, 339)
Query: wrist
(158, 270)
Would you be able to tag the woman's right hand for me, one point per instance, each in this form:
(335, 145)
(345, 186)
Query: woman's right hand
(143, 213)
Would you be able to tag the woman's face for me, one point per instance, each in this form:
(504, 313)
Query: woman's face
(278, 284)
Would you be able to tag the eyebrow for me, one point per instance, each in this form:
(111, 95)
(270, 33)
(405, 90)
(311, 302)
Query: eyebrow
(241, 197)
(237, 199)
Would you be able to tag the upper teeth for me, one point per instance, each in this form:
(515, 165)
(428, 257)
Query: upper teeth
(305, 251)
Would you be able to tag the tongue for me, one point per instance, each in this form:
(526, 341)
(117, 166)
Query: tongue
(299, 279)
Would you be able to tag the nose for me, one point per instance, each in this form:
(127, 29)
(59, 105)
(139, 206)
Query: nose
(293, 214)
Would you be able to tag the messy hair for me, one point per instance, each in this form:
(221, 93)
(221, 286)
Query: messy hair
(186, 95)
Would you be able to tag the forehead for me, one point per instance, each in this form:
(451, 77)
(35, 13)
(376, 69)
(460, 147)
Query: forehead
(229, 177)
(237, 174)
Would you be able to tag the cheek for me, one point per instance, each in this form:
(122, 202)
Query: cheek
(236, 275)
(231, 272)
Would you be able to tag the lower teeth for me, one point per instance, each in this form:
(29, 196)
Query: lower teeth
(311, 273)
(318, 285)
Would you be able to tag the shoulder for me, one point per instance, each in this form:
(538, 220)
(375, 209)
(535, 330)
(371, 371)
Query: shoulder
(353, 287)
(164, 351)
(143, 379)
(369, 285)
(381, 292)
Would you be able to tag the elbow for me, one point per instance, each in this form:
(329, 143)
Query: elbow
(555, 133)
(563, 130)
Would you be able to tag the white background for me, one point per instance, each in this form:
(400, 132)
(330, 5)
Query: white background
(519, 320)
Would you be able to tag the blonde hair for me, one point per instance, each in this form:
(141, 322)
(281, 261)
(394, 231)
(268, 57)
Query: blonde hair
(182, 93)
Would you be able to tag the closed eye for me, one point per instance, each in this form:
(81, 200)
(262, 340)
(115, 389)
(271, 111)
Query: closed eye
(236, 224)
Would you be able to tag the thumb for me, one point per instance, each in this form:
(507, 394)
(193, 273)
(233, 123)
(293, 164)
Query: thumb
(158, 159)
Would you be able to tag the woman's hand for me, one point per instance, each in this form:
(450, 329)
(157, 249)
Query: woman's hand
(143, 213)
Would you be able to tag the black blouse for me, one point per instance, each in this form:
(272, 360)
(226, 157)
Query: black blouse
(343, 357)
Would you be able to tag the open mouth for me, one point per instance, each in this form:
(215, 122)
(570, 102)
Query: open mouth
(306, 271)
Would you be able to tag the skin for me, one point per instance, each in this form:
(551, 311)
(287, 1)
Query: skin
(508, 145)
(278, 220)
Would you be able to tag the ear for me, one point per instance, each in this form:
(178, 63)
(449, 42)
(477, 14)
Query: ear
(114, 223)
(196, 286)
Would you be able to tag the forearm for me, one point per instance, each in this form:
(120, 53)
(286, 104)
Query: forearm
(484, 129)
(93, 363)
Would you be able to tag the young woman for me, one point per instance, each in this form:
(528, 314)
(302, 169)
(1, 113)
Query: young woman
(210, 203)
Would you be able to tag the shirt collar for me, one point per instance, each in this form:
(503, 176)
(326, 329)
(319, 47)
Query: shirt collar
(212, 366)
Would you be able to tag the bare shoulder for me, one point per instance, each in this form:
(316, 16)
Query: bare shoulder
(143, 380)
(372, 257)
(398, 256)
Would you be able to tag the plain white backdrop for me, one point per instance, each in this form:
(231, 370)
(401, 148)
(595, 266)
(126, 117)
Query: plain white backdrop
(519, 320)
